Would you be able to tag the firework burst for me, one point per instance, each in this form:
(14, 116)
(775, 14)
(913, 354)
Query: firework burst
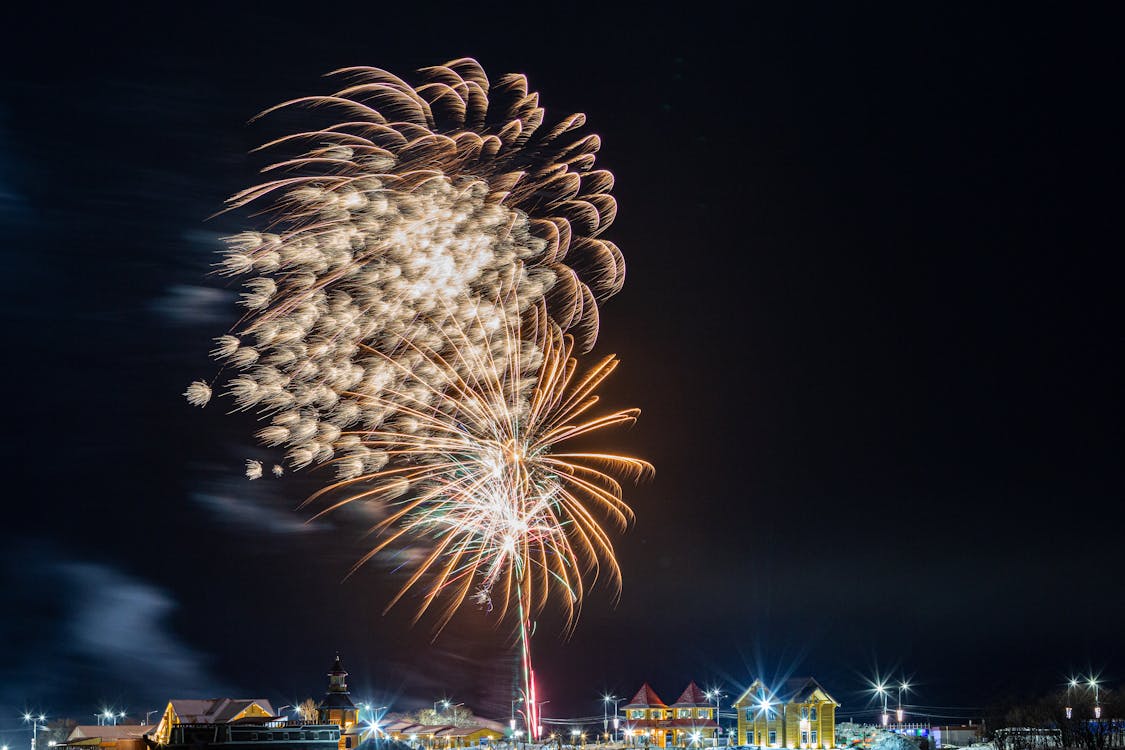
(406, 217)
(509, 512)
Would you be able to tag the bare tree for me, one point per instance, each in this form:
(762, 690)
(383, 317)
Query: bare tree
(308, 710)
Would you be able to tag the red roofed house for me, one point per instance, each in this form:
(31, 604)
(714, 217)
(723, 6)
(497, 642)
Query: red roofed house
(690, 721)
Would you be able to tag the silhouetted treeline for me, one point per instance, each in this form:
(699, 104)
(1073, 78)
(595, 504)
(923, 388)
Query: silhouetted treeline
(1042, 723)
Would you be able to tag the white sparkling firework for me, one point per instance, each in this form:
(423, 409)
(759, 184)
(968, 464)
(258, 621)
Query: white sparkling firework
(422, 210)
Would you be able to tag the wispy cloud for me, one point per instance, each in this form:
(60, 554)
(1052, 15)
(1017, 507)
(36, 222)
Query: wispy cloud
(82, 632)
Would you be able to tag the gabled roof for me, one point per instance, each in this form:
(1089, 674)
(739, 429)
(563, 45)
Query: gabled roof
(215, 710)
(692, 697)
(646, 697)
(107, 732)
(793, 690)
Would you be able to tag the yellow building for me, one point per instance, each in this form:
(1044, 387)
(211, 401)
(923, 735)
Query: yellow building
(799, 714)
(214, 711)
(690, 721)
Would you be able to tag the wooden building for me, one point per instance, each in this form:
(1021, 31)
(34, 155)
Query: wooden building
(798, 714)
(690, 721)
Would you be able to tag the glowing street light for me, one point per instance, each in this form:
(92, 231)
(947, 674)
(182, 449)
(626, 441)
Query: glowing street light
(606, 700)
(36, 724)
(881, 689)
(1070, 688)
(1097, 703)
(902, 688)
(714, 695)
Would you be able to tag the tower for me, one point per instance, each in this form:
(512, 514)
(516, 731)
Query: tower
(337, 707)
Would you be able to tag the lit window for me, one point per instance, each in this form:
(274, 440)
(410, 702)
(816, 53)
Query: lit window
(814, 737)
(685, 713)
(804, 712)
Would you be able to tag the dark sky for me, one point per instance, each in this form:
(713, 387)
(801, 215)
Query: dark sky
(873, 318)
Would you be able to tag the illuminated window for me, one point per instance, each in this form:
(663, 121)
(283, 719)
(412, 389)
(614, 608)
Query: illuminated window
(703, 713)
(814, 737)
(685, 713)
(638, 713)
(804, 712)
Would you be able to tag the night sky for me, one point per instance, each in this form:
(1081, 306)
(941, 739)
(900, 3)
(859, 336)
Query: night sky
(873, 318)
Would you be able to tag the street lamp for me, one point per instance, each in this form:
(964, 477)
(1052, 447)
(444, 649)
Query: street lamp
(902, 688)
(1097, 702)
(881, 689)
(715, 695)
(606, 700)
(36, 724)
(1070, 688)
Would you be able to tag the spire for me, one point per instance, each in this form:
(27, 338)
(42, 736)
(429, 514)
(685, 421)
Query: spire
(337, 677)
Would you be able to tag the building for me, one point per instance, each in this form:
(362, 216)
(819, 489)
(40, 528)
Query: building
(798, 714)
(234, 724)
(337, 707)
(206, 712)
(956, 735)
(650, 721)
(253, 733)
(119, 737)
(480, 733)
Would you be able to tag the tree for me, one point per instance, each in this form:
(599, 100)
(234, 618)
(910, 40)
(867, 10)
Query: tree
(308, 710)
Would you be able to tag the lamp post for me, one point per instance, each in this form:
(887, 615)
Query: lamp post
(606, 700)
(36, 724)
(881, 689)
(150, 713)
(539, 718)
(902, 688)
(715, 695)
(1097, 703)
(1070, 687)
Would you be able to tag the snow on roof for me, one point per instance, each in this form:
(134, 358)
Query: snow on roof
(109, 732)
(215, 710)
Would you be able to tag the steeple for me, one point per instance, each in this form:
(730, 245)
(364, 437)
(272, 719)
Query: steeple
(338, 677)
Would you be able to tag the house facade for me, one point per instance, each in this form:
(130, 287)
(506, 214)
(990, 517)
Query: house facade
(690, 721)
(798, 714)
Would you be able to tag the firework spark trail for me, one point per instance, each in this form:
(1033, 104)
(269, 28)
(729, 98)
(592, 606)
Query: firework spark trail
(407, 218)
(510, 512)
